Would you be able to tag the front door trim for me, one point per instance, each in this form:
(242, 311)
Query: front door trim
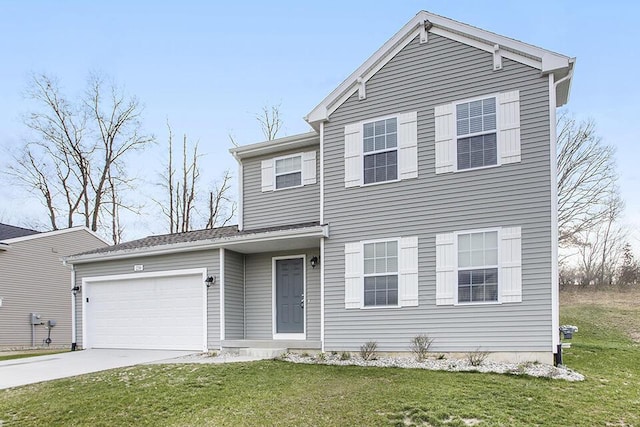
(274, 319)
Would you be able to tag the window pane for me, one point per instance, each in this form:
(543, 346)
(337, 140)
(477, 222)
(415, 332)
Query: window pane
(489, 106)
(368, 145)
(369, 250)
(491, 239)
(477, 241)
(369, 175)
(462, 110)
(464, 259)
(392, 282)
(392, 297)
(369, 266)
(392, 140)
(392, 248)
(464, 242)
(489, 122)
(475, 124)
(368, 130)
(381, 284)
(491, 257)
(369, 298)
(462, 126)
(296, 163)
(392, 264)
(392, 125)
(379, 128)
(464, 294)
(369, 284)
(380, 143)
(381, 250)
(464, 277)
(475, 108)
(289, 164)
(477, 258)
(288, 180)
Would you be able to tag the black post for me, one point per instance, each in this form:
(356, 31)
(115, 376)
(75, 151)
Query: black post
(558, 356)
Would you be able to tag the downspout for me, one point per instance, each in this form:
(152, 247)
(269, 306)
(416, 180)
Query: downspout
(240, 192)
(555, 288)
(74, 333)
(322, 239)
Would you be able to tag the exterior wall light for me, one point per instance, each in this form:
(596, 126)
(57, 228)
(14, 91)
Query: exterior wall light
(314, 261)
(211, 280)
(75, 290)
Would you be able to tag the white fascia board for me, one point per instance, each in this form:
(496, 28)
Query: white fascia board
(321, 111)
(55, 233)
(225, 242)
(542, 59)
(275, 145)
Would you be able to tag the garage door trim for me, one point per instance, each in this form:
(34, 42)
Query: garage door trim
(87, 281)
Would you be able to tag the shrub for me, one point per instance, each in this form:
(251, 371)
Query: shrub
(368, 350)
(345, 355)
(305, 354)
(477, 358)
(321, 357)
(420, 346)
(441, 356)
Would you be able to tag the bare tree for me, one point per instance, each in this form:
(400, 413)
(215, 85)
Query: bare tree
(221, 207)
(181, 192)
(629, 271)
(78, 152)
(185, 202)
(586, 179)
(270, 121)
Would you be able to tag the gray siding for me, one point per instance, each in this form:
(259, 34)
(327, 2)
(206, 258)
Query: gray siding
(33, 279)
(233, 295)
(258, 297)
(209, 259)
(420, 77)
(281, 207)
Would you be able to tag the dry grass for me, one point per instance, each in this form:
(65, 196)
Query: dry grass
(606, 298)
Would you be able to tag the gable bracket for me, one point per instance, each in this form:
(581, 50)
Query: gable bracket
(362, 88)
(425, 26)
(497, 58)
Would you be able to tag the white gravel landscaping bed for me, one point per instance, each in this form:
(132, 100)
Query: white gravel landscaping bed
(453, 365)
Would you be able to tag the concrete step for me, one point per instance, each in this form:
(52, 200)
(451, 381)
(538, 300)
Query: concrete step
(258, 353)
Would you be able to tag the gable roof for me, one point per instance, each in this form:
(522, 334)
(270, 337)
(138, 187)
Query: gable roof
(41, 235)
(196, 240)
(423, 24)
(11, 232)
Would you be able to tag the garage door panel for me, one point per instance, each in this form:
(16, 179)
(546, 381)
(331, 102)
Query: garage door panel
(147, 313)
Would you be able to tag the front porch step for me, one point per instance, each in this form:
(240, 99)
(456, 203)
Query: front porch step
(275, 344)
(258, 353)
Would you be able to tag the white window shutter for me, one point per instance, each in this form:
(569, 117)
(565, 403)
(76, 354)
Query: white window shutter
(408, 272)
(509, 126)
(445, 269)
(353, 155)
(353, 282)
(408, 145)
(445, 138)
(511, 265)
(267, 175)
(309, 167)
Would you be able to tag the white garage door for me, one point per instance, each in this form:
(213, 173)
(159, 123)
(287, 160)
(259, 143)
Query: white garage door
(145, 313)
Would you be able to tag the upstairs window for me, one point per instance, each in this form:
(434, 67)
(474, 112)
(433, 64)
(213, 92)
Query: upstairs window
(381, 273)
(476, 132)
(288, 172)
(478, 267)
(380, 150)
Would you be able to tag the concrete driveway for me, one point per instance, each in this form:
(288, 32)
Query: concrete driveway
(36, 369)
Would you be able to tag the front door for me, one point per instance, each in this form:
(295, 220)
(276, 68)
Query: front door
(290, 296)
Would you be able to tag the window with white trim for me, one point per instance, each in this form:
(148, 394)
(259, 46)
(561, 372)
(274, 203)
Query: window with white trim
(288, 172)
(478, 267)
(380, 150)
(380, 273)
(476, 132)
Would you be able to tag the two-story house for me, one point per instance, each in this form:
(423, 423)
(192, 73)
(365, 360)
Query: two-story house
(423, 202)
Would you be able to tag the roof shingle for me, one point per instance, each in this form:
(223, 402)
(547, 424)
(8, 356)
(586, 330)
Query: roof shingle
(11, 232)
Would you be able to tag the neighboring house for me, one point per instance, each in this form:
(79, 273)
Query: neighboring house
(423, 202)
(34, 280)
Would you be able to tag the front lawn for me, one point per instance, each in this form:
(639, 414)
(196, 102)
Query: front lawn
(26, 354)
(279, 393)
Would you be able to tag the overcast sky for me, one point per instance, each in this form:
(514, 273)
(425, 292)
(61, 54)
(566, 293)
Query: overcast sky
(210, 66)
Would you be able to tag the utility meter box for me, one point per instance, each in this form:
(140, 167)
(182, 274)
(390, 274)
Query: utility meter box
(51, 323)
(35, 319)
